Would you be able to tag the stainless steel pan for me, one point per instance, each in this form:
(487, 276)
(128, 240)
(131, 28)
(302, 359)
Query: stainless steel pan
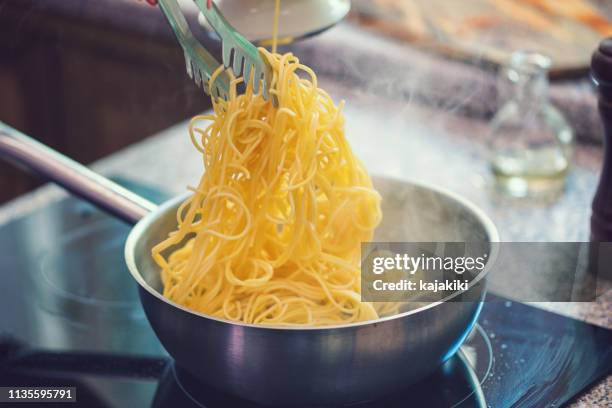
(289, 366)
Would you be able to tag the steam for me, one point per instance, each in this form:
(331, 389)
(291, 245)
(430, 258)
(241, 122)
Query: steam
(372, 65)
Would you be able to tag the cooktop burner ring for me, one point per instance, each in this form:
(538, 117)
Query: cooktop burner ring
(478, 334)
(89, 248)
(183, 388)
(472, 366)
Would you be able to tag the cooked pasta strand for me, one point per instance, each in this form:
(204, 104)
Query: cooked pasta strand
(273, 231)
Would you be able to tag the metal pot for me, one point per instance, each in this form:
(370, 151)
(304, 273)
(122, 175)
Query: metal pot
(291, 366)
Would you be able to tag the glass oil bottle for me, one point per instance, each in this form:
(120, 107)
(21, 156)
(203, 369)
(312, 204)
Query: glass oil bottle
(530, 144)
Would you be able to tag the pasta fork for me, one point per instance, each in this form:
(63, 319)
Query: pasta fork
(238, 53)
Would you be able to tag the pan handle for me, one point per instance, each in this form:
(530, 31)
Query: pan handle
(72, 176)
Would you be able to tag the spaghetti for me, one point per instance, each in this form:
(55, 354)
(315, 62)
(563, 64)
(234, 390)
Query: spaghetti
(272, 233)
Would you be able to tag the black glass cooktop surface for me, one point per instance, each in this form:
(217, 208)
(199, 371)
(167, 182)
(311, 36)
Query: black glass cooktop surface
(534, 359)
(60, 326)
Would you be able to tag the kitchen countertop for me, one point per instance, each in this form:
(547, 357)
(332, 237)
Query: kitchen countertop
(400, 139)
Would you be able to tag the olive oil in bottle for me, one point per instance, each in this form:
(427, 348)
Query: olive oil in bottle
(530, 144)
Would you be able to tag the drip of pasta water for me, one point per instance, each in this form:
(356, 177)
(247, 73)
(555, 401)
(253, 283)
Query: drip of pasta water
(272, 233)
(275, 26)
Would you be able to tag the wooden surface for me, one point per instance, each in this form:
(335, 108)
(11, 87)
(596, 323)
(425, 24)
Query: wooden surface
(487, 31)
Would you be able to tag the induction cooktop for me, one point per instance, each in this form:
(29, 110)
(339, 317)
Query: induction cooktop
(62, 327)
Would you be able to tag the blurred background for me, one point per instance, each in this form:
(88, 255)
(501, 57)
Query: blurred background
(90, 77)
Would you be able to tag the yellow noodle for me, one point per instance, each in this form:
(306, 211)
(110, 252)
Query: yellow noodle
(272, 232)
